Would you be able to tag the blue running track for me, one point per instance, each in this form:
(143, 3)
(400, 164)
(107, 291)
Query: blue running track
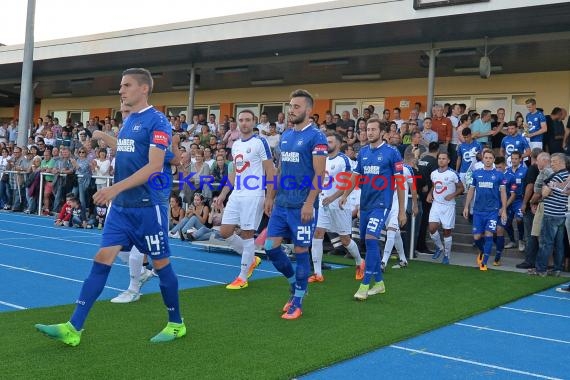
(44, 265)
(528, 338)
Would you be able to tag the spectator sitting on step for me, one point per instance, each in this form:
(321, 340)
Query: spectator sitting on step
(65, 213)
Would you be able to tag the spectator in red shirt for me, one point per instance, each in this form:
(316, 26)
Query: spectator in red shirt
(442, 126)
(65, 213)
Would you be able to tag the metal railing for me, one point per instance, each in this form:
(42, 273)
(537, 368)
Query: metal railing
(42, 174)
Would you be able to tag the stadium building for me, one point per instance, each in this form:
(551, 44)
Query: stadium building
(347, 53)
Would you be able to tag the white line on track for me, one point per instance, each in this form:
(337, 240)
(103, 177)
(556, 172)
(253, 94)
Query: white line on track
(554, 297)
(53, 275)
(174, 257)
(91, 259)
(513, 333)
(511, 370)
(50, 238)
(201, 279)
(221, 264)
(74, 230)
(22, 238)
(535, 312)
(12, 305)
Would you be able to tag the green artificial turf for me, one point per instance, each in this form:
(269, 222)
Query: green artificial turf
(239, 334)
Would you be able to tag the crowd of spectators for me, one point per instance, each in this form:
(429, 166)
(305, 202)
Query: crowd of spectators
(78, 165)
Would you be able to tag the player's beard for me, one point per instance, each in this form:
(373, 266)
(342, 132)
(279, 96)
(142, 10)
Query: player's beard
(299, 119)
(375, 140)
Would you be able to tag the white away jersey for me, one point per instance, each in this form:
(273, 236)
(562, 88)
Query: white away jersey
(248, 163)
(334, 166)
(444, 183)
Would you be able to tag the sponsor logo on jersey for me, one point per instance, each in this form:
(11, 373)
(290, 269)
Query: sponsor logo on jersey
(486, 185)
(439, 187)
(371, 170)
(290, 157)
(125, 145)
(240, 164)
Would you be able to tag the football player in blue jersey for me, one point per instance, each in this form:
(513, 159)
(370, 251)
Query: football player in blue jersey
(535, 123)
(517, 172)
(303, 159)
(139, 213)
(490, 203)
(138, 272)
(376, 172)
(513, 141)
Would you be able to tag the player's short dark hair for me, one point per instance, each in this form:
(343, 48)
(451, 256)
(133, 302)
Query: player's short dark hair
(512, 123)
(433, 146)
(500, 160)
(142, 76)
(516, 152)
(466, 132)
(247, 111)
(337, 137)
(300, 93)
(446, 153)
(69, 196)
(485, 113)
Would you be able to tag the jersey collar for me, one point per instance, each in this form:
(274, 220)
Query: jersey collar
(144, 109)
(249, 138)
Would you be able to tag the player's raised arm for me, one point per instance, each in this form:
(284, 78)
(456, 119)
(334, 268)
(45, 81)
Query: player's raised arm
(141, 176)
(111, 141)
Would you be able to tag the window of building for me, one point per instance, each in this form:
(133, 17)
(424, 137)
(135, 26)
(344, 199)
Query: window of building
(75, 115)
(510, 102)
(272, 110)
(198, 109)
(339, 106)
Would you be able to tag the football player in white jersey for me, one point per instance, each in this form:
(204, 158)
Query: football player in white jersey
(252, 161)
(331, 217)
(446, 187)
(393, 235)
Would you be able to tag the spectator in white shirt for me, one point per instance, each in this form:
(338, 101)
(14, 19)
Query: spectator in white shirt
(212, 123)
(263, 125)
(281, 124)
(100, 167)
(273, 137)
